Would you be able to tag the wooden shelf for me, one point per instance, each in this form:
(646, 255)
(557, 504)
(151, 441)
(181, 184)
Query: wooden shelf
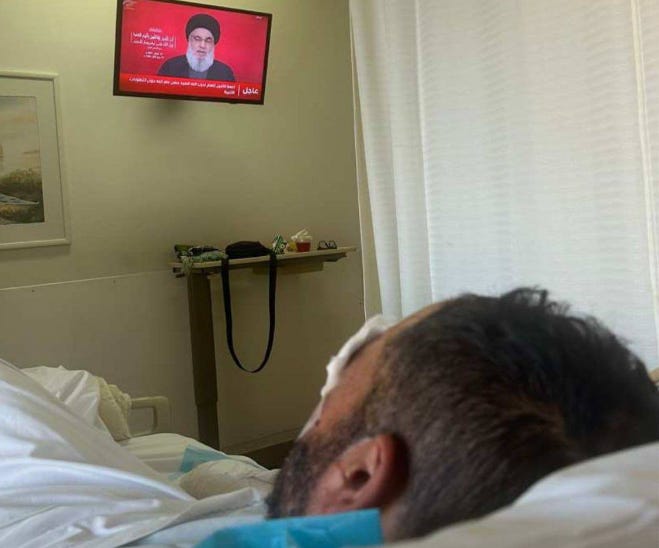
(307, 261)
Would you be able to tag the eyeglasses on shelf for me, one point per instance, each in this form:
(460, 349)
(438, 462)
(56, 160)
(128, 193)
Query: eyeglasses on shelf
(326, 244)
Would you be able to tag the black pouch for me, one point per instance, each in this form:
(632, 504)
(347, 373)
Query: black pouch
(243, 250)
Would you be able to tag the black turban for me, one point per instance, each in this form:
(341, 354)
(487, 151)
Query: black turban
(201, 20)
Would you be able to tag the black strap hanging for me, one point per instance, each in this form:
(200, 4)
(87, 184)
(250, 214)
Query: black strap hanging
(226, 290)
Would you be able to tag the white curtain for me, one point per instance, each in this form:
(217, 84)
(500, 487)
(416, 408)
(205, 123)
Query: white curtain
(512, 142)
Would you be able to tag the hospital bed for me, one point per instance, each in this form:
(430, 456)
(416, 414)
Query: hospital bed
(66, 482)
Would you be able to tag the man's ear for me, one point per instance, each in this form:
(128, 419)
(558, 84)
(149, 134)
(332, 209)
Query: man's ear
(369, 474)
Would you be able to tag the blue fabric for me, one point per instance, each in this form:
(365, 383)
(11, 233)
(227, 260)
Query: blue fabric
(194, 456)
(361, 528)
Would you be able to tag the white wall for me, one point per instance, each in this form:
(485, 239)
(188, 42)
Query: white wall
(144, 174)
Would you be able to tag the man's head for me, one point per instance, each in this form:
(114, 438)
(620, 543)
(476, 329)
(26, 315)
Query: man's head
(202, 32)
(457, 410)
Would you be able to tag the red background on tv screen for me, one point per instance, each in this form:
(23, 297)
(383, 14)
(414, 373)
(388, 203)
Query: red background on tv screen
(160, 27)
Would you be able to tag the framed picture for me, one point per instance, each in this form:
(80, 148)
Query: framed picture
(32, 192)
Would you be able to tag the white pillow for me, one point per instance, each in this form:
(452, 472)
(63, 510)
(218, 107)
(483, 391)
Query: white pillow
(608, 502)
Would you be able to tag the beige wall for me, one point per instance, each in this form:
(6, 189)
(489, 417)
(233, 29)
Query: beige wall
(143, 174)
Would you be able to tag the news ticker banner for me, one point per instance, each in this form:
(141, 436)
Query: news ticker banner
(140, 83)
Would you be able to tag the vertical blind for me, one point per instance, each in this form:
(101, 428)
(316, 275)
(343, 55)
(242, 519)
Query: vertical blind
(509, 143)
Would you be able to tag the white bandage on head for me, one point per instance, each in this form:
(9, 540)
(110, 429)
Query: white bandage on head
(373, 328)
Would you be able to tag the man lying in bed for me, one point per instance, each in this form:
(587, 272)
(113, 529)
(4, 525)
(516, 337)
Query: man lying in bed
(460, 408)
(446, 416)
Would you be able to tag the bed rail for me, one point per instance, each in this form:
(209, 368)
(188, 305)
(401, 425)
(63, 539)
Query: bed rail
(159, 406)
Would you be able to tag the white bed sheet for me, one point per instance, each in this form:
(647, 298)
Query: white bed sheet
(198, 469)
(64, 483)
(162, 452)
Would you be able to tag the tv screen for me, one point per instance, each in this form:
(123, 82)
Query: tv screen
(184, 50)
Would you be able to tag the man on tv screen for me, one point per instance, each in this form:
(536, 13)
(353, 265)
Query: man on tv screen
(203, 34)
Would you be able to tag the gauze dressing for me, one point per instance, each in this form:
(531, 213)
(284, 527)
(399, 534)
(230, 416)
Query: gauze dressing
(373, 328)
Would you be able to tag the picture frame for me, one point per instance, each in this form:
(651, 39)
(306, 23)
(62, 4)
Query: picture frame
(33, 200)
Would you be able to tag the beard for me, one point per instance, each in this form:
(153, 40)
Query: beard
(307, 462)
(298, 476)
(200, 65)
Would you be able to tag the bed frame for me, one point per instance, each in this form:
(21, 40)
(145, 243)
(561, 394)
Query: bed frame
(160, 413)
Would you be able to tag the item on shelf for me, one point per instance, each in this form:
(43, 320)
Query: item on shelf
(245, 249)
(191, 254)
(302, 240)
(278, 244)
(326, 244)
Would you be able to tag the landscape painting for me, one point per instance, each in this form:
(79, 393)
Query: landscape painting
(33, 209)
(21, 190)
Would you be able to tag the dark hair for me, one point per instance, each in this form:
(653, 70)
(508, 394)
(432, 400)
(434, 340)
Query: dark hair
(491, 394)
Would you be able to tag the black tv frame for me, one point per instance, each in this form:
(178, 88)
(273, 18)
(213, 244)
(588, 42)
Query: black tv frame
(117, 57)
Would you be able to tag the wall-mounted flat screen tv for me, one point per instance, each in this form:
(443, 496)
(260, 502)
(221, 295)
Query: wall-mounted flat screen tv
(184, 50)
